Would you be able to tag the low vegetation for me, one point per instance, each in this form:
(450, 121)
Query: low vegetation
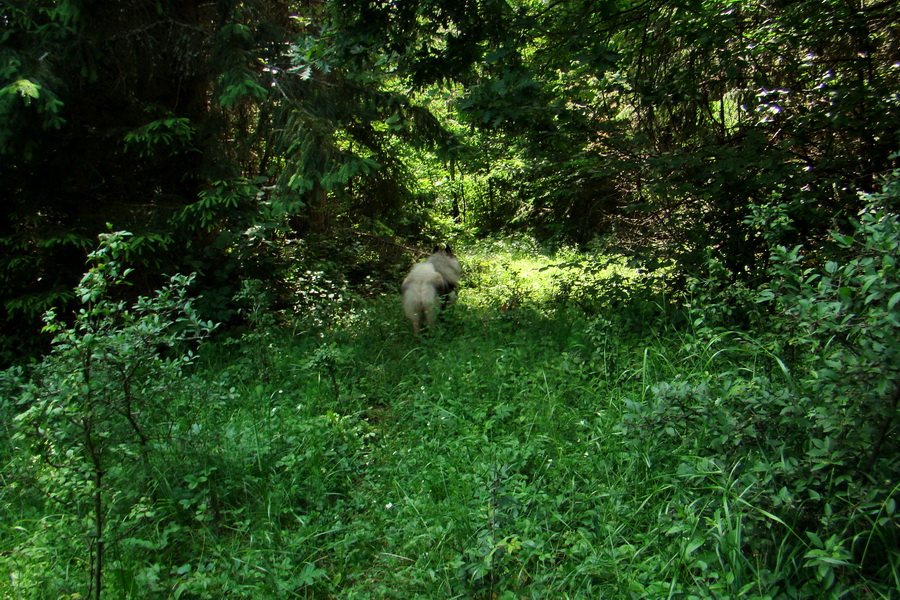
(672, 371)
(568, 432)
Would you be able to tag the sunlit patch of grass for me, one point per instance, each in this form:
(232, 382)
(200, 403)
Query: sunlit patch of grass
(510, 274)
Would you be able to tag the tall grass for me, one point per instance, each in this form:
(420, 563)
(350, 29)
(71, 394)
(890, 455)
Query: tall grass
(527, 448)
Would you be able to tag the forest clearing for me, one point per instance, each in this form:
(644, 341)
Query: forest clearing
(528, 447)
(661, 240)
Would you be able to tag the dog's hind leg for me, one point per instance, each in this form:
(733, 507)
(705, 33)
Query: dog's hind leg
(429, 315)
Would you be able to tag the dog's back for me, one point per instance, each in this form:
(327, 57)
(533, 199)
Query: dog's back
(427, 283)
(420, 291)
(445, 263)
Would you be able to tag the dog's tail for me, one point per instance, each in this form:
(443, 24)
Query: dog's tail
(420, 290)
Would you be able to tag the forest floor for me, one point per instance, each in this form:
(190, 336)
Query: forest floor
(523, 449)
(485, 459)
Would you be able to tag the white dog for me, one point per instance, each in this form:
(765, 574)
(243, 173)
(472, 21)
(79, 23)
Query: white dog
(428, 284)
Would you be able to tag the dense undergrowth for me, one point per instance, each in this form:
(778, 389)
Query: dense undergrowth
(565, 433)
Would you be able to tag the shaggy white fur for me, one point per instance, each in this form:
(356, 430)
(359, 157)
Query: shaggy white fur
(427, 284)
(420, 291)
(446, 264)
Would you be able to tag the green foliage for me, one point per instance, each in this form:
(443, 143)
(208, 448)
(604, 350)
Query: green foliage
(561, 434)
(844, 315)
(170, 134)
(141, 114)
(23, 95)
(215, 205)
(797, 413)
(94, 410)
(667, 125)
(529, 452)
(606, 283)
(680, 128)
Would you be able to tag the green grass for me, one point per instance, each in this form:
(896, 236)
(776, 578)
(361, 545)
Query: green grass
(522, 450)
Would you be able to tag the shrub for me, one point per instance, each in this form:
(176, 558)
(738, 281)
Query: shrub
(94, 412)
(792, 421)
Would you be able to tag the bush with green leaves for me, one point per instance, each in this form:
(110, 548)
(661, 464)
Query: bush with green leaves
(839, 328)
(93, 416)
(792, 420)
(840, 321)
